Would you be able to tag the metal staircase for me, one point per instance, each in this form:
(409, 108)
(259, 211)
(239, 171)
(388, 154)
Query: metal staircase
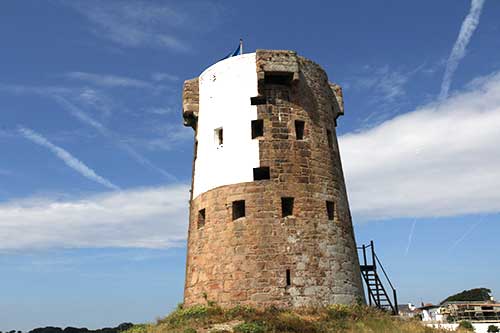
(377, 293)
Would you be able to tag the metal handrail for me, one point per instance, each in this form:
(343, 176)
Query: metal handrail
(385, 274)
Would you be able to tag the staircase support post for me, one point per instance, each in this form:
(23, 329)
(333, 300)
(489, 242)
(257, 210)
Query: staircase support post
(364, 254)
(373, 255)
(396, 310)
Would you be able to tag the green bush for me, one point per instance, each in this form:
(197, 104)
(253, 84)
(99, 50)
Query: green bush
(240, 311)
(184, 315)
(139, 328)
(291, 322)
(249, 328)
(493, 329)
(466, 325)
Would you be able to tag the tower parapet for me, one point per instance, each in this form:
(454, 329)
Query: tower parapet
(269, 216)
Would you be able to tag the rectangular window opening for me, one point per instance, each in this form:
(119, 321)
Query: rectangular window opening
(261, 173)
(288, 278)
(330, 210)
(238, 209)
(299, 129)
(257, 128)
(201, 218)
(329, 138)
(219, 136)
(286, 206)
(280, 78)
(258, 100)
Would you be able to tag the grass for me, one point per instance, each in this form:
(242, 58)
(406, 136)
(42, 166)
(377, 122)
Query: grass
(243, 319)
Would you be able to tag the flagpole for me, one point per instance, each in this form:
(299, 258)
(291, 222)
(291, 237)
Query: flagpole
(241, 46)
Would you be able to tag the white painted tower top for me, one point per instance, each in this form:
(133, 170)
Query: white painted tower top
(226, 152)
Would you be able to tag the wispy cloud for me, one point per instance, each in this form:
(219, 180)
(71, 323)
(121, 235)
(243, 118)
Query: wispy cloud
(442, 159)
(66, 157)
(106, 80)
(134, 24)
(4, 172)
(7, 134)
(466, 234)
(410, 236)
(41, 90)
(142, 218)
(103, 130)
(384, 89)
(386, 84)
(164, 77)
(160, 110)
(167, 137)
(96, 100)
(467, 29)
(71, 99)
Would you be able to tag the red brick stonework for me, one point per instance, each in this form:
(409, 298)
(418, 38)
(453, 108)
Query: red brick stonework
(308, 257)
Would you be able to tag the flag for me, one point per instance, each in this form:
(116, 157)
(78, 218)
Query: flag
(238, 51)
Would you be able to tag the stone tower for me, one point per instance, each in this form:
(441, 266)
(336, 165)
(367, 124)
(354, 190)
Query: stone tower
(269, 217)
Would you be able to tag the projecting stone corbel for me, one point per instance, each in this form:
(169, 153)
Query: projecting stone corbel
(190, 102)
(338, 102)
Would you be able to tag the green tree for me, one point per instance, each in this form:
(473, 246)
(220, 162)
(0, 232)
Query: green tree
(493, 329)
(466, 325)
(477, 294)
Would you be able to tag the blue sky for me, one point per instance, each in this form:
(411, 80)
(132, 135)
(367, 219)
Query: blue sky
(95, 163)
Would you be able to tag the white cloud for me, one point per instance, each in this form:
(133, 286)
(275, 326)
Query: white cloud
(143, 218)
(442, 159)
(164, 77)
(105, 80)
(66, 157)
(134, 24)
(468, 27)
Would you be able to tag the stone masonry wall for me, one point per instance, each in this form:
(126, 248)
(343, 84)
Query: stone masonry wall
(245, 261)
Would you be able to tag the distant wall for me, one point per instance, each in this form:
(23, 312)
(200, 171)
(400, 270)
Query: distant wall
(478, 327)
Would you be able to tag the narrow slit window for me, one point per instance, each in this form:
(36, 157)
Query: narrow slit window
(286, 206)
(238, 209)
(330, 210)
(219, 136)
(258, 100)
(288, 278)
(299, 129)
(201, 218)
(257, 128)
(261, 173)
(329, 138)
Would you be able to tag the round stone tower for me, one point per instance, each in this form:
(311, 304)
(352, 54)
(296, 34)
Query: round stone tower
(269, 217)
